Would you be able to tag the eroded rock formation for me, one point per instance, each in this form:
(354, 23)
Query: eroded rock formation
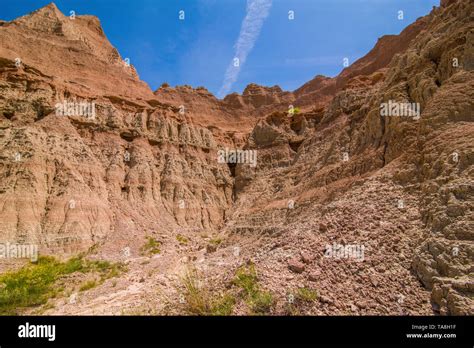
(335, 172)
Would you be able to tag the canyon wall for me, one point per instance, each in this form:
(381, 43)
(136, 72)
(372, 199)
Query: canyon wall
(335, 171)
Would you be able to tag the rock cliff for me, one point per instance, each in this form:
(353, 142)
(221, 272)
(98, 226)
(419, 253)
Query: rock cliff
(331, 170)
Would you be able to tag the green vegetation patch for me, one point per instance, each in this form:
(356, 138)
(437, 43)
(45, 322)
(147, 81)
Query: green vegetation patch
(259, 301)
(198, 300)
(151, 247)
(299, 299)
(296, 111)
(182, 239)
(215, 241)
(88, 285)
(33, 284)
(306, 295)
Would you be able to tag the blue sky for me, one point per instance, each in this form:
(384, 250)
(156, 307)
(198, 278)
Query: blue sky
(198, 50)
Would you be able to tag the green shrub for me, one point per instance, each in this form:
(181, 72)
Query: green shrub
(296, 111)
(200, 301)
(297, 300)
(28, 286)
(223, 305)
(260, 302)
(151, 247)
(215, 241)
(182, 239)
(34, 284)
(88, 285)
(246, 278)
(306, 294)
(195, 297)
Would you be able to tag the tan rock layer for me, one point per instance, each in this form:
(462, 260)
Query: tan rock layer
(335, 172)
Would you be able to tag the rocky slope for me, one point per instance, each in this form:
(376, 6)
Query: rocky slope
(69, 182)
(399, 189)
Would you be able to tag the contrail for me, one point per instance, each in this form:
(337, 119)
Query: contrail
(257, 11)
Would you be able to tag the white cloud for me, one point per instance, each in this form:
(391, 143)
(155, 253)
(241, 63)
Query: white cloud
(257, 12)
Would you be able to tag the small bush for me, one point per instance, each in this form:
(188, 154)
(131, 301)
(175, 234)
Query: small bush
(246, 278)
(88, 285)
(195, 297)
(296, 111)
(260, 302)
(151, 247)
(182, 239)
(223, 305)
(213, 245)
(306, 294)
(34, 284)
(215, 241)
(28, 286)
(297, 300)
(199, 300)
